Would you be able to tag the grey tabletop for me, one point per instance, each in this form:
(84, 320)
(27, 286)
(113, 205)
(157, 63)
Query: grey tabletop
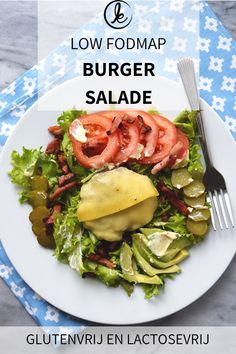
(18, 52)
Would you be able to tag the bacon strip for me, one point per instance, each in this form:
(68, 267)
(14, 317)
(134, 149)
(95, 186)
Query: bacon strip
(60, 190)
(53, 147)
(56, 130)
(63, 163)
(65, 178)
(56, 210)
(101, 260)
(173, 199)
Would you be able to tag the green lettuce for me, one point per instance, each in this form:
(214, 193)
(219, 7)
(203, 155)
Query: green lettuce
(49, 167)
(194, 163)
(67, 230)
(150, 290)
(176, 223)
(67, 117)
(186, 121)
(23, 166)
(110, 277)
(89, 243)
(75, 167)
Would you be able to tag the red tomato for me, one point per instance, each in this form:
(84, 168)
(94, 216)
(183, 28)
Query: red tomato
(166, 140)
(99, 147)
(128, 135)
(182, 148)
(129, 142)
(148, 139)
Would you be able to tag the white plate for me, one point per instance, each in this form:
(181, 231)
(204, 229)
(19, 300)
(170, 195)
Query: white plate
(87, 298)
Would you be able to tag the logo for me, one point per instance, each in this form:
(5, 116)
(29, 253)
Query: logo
(118, 14)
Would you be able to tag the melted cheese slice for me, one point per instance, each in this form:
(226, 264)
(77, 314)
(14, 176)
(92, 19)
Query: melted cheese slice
(111, 227)
(113, 191)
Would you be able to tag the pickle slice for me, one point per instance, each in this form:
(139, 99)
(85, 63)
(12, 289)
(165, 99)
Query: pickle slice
(200, 215)
(194, 189)
(39, 183)
(181, 178)
(38, 228)
(38, 214)
(197, 203)
(46, 240)
(37, 198)
(198, 228)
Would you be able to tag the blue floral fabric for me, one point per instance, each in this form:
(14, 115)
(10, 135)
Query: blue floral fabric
(210, 45)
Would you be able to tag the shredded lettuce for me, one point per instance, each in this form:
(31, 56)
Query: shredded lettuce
(75, 167)
(67, 117)
(176, 223)
(110, 277)
(186, 121)
(67, 230)
(26, 164)
(89, 243)
(128, 287)
(194, 163)
(49, 167)
(150, 290)
(23, 166)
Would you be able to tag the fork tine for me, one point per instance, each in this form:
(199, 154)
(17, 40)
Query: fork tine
(227, 202)
(216, 204)
(222, 205)
(210, 200)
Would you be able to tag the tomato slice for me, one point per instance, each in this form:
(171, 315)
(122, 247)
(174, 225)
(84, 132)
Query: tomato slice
(129, 142)
(182, 150)
(167, 138)
(148, 139)
(128, 135)
(99, 148)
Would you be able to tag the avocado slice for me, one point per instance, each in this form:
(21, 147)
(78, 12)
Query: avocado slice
(143, 264)
(141, 278)
(175, 247)
(144, 250)
(129, 268)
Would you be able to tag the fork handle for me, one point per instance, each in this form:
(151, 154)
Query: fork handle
(187, 74)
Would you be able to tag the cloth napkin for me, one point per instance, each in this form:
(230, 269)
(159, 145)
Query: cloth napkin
(176, 20)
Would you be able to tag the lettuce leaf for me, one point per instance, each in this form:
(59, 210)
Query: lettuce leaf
(67, 117)
(186, 121)
(176, 223)
(67, 230)
(26, 164)
(194, 163)
(75, 167)
(49, 167)
(23, 166)
(150, 290)
(89, 243)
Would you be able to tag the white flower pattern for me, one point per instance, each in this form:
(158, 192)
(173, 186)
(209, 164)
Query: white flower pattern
(228, 84)
(203, 44)
(216, 64)
(211, 24)
(224, 43)
(218, 103)
(179, 44)
(205, 83)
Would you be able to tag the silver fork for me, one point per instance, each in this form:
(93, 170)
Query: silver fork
(213, 180)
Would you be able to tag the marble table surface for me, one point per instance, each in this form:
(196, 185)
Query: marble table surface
(18, 52)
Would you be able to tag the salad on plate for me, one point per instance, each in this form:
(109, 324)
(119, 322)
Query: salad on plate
(118, 195)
